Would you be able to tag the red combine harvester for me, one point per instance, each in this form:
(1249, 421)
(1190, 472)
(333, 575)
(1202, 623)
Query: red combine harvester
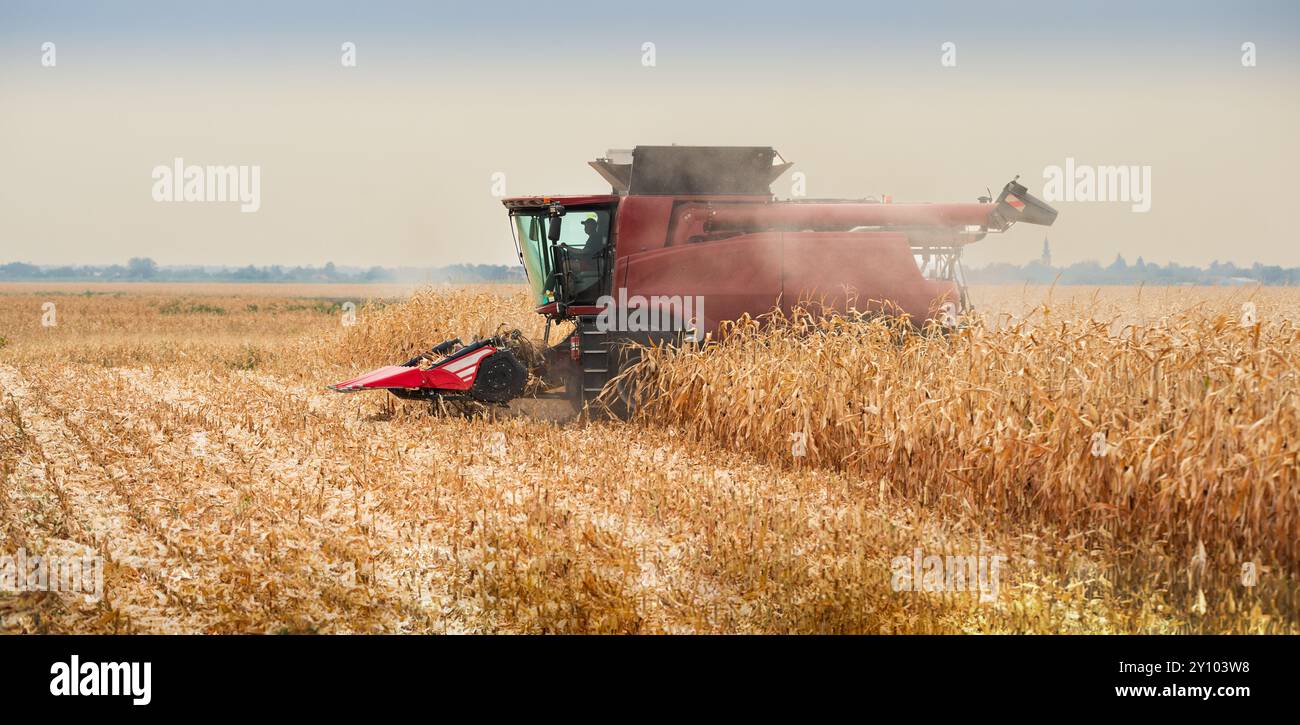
(691, 236)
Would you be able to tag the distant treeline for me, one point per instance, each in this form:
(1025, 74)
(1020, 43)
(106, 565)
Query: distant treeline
(1120, 272)
(145, 269)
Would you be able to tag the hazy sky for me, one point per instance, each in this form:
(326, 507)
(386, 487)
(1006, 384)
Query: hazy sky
(391, 162)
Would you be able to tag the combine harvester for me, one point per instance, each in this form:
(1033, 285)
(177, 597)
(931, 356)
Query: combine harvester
(691, 236)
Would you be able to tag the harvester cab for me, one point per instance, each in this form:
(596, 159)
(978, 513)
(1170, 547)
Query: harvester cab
(689, 237)
(565, 251)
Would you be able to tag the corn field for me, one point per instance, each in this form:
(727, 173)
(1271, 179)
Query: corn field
(1169, 445)
(1130, 456)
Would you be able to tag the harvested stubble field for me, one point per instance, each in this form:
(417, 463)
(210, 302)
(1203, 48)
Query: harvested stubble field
(185, 435)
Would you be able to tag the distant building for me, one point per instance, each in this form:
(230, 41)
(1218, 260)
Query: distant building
(1047, 253)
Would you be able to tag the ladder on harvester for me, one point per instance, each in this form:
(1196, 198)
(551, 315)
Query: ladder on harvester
(598, 365)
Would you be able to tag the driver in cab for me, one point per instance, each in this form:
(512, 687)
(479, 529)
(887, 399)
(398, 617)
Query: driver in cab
(595, 239)
(586, 258)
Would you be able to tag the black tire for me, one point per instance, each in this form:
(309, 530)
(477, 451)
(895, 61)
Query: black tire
(501, 378)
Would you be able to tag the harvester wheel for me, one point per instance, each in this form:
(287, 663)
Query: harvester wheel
(501, 377)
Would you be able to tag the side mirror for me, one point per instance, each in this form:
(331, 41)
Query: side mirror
(553, 213)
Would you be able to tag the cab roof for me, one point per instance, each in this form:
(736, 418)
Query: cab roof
(524, 202)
